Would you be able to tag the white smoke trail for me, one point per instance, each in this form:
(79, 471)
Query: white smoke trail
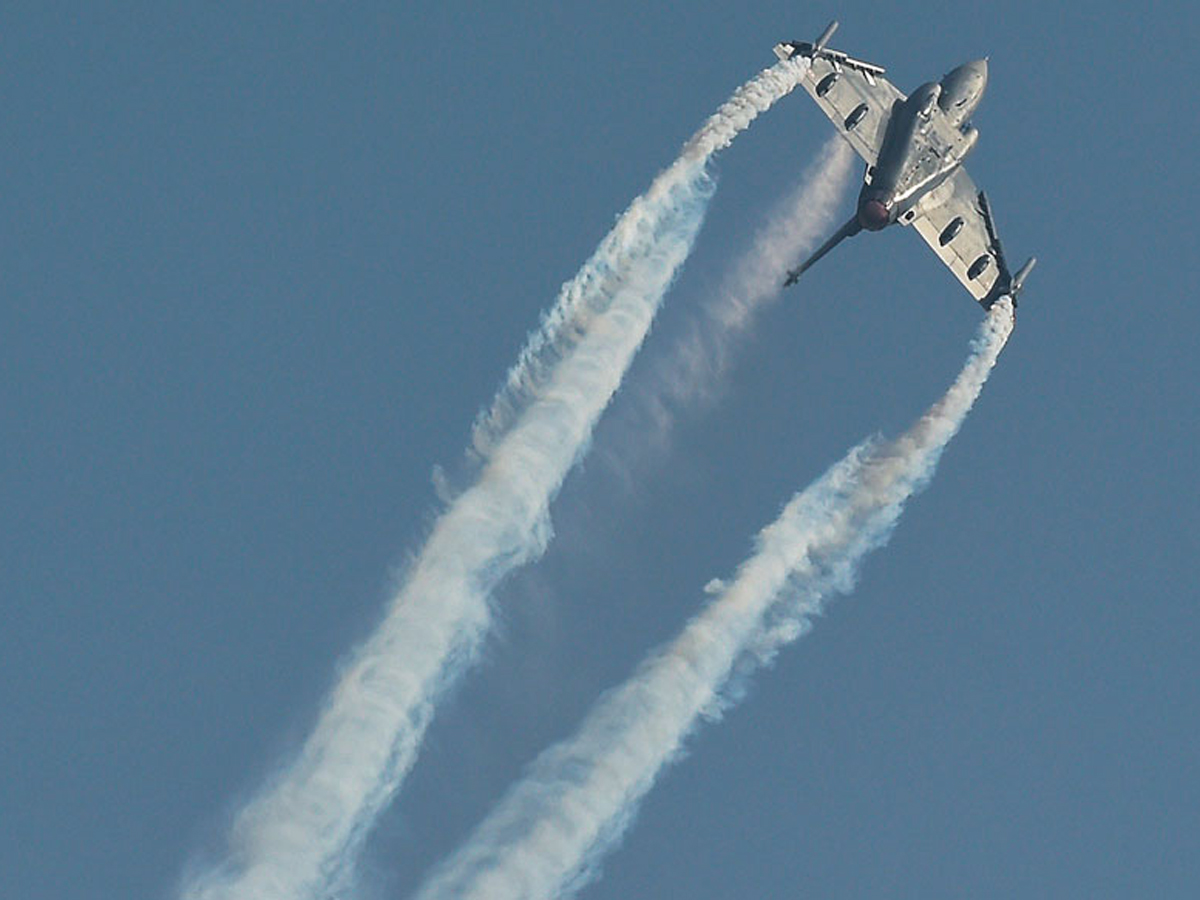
(564, 324)
(697, 363)
(546, 837)
(300, 836)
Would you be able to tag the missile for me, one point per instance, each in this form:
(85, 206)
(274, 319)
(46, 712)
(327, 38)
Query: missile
(788, 49)
(820, 43)
(1018, 280)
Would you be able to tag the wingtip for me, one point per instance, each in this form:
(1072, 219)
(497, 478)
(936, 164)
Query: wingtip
(1018, 280)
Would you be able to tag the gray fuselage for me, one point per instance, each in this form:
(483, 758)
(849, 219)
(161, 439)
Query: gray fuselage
(927, 138)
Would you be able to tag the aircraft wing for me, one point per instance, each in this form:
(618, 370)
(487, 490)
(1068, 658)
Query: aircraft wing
(956, 222)
(854, 94)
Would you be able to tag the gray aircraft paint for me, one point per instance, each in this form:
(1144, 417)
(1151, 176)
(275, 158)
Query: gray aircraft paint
(914, 149)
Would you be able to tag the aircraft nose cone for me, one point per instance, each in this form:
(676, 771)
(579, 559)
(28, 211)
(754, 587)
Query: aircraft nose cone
(979, 68)
(873, 215)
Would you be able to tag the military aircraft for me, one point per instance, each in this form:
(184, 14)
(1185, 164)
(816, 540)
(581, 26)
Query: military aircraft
(914, 148)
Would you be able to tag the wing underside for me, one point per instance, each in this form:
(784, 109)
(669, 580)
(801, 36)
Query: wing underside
(955, 222)
(855, 97)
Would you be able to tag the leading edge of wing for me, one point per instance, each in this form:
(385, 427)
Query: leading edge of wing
(852, 94)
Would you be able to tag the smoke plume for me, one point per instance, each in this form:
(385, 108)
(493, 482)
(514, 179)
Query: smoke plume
(299, 837)
(547, 835)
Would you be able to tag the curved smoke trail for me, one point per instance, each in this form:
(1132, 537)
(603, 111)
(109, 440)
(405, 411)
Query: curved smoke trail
(300, 836)
(546, 837)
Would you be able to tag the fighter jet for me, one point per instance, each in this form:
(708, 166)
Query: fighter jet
(914, 149)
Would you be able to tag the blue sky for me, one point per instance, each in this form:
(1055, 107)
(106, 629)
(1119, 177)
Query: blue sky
(259, 270)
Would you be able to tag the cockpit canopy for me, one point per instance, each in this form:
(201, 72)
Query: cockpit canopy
(962, 89)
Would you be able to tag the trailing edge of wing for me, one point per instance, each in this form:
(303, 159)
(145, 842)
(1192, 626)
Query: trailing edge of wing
(1007, 283)
(955, 220)
(956, 223)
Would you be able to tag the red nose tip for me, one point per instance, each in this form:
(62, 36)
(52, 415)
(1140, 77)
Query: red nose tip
(873, 215)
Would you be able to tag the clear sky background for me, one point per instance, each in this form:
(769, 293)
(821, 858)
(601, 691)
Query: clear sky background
(260, 266)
